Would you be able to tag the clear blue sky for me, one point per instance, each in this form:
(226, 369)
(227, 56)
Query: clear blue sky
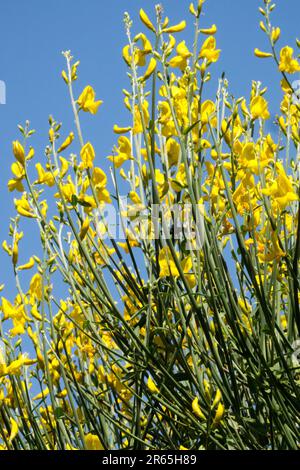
(34, 32)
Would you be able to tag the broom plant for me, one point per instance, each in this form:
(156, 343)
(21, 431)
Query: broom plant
(178, 324)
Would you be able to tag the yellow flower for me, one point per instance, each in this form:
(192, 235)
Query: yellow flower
(131, 241)
(192, 10)
(244, 193)
(262, 54)
(34, 312)
(180, 60)
(99, 178)
(93, 442)
(68, 189)
(281, 190)
(64, 166)
(121, 130)
(283, 321)
(208, 50)
(137, 118)
(86, 100)
(269, 253)
(150, 69)
(123, 152)
(66, 142)
(151, 385)
(171, 45)
(259, 108)
(13, 430)
(140, 54)
(208, 109)
(197, 410)
(135, 197)
(126, 56)
(19, 173)
(173, 151)
(217, 398)
(74, 70)
(275, 34)
(287, 62)
(17, 313)
(42, 394)
(219, 414)
(36, 287)
(14, 367)
(145, 19)
(84, 228)
(28, 265)
(23, 207)
(209, 31)
(176, 28)
(19, 152)
(45, 177)
(87, 155)
(166, 263)
(52, 135)
(65, 77)
(180, 182)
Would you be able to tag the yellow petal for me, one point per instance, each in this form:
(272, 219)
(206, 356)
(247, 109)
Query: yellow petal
(121, 130)
(19, 152)
(151, 385)
(66, 142)
(93, 442)
(28, 265)
(275, 34)
(196, 409)
(219, 414)
(145, 19)
(150, 69)
(65, 77)
(212, 30)
(42, 394)
(87, 155)
(126, 56)
(84, 228)
(217, 398)
(192, 9)
(262, 54)
(14, 429)
(176, 28)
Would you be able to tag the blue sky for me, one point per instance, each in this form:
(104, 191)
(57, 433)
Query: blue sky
(33, 33)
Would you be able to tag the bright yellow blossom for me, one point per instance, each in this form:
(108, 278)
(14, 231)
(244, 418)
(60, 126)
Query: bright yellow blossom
(147, 22)
(208, 50)
(87, 154)
(176, 28)
(262, 54)
(197, 410)
(19, 152)
(86, 100)
(181, 59)
(66, 142)
(93, 442)
(287, 62)
(259, 108)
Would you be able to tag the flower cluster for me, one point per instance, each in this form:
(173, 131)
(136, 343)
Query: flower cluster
(159, 341)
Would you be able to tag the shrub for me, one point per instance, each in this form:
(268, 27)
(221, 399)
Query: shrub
(184, 334)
